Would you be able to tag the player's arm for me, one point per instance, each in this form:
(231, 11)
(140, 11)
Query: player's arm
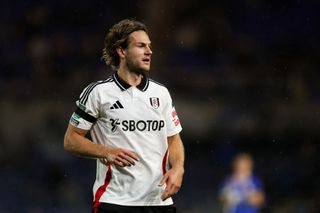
(227, 196)
(173, 178)
(76, 142)
(257, 198)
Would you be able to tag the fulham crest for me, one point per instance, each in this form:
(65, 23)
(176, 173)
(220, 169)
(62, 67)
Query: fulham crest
(154, 102)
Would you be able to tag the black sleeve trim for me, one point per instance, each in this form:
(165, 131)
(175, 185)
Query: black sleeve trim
(85, 115)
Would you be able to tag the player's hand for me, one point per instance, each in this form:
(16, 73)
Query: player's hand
(120, 157)
(173, 180)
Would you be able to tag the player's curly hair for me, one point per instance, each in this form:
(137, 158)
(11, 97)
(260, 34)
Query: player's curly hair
(118, 37)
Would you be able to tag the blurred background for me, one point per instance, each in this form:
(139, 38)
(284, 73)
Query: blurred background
(243, 74)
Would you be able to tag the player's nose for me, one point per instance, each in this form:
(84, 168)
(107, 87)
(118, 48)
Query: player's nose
(148, 50)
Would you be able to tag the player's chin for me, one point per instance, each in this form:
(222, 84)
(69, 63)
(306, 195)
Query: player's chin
(145, 68)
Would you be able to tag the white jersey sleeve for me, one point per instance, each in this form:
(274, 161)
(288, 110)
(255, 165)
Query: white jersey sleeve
(87, 108)
(171, 117)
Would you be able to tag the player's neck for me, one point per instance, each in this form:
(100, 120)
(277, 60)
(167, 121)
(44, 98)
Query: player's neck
(131, 78)
(243, 176)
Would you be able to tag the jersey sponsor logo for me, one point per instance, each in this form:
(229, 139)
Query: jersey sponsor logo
(114, 123)
(155, 103)
(132, 125)
(175, 117)
(117, 105)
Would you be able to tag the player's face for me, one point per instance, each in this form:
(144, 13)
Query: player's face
(243, 166)
(138, 52)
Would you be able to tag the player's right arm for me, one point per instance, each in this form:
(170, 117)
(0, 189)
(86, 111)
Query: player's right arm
(76, 142)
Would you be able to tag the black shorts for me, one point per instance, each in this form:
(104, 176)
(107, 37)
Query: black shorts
(112, 208)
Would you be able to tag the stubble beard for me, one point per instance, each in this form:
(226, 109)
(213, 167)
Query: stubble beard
(135, 67)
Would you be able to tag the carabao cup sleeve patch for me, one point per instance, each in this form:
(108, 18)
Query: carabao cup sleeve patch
(74, 120)
(77, 121)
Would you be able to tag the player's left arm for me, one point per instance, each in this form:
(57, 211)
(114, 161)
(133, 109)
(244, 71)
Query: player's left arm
(173, 177)
(257, 198)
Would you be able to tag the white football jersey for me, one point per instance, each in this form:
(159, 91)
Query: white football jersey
(135, 118)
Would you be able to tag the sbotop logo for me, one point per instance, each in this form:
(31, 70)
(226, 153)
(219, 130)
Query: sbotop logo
(132, 125)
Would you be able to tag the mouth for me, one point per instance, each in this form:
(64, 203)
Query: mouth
(146, 60)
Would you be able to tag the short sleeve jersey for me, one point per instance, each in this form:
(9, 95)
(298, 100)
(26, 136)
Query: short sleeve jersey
(135, 118)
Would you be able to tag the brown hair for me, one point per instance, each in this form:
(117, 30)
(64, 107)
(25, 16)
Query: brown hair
(118, 37)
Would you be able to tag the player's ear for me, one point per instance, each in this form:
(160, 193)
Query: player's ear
(121, 52)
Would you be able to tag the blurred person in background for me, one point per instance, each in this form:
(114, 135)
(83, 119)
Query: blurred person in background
(134, 129)
(242, 192)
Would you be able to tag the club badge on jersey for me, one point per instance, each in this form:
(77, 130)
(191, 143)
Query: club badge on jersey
(155, 103)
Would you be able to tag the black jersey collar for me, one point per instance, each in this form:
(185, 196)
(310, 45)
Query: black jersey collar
(143, 86)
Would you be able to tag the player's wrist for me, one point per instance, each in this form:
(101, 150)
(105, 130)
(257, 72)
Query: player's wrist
(105, 151)
(179, 168)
